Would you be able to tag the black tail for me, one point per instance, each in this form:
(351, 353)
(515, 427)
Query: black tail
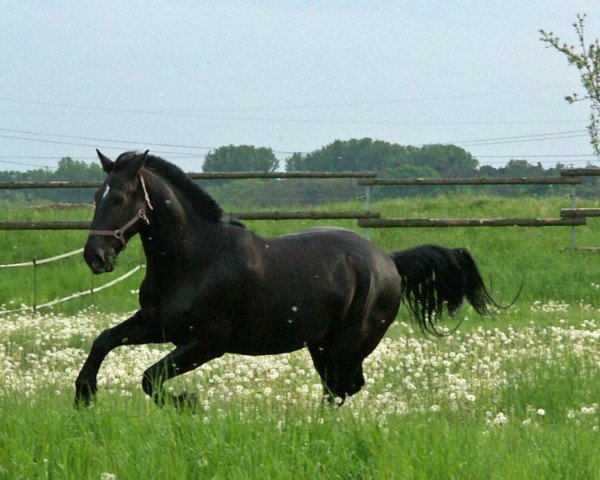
(435, 277)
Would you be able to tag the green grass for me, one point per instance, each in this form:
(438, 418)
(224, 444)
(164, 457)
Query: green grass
(255, 438)
(141, 442)
(511, 397)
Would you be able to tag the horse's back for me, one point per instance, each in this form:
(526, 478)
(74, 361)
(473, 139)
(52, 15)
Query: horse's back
(338, 242)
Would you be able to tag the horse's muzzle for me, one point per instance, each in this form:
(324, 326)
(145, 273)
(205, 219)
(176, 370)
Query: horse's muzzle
(100, 260)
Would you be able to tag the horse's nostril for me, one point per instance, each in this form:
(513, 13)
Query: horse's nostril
(95, 262)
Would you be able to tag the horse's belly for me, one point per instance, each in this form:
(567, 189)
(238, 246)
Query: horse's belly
(278, 333)
(295, 308)
(264, 349)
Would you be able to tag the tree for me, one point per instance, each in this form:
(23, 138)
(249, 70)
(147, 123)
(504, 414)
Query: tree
(448, 160)
(351, 155)
(587, 61)
(76, 170)
(69, 170)
(242, 158)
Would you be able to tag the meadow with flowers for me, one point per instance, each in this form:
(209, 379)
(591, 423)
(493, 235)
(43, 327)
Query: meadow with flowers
(513, 396)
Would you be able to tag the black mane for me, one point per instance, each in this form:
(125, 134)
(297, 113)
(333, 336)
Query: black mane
(209, 209)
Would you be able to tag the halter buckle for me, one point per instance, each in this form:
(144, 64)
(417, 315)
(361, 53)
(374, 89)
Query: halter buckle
(143, 216)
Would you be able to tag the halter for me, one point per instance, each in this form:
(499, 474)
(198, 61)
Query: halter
(119, 233)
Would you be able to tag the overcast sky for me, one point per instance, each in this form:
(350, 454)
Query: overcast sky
(293, 76)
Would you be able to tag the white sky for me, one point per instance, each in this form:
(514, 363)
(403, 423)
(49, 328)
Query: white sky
(293, 76)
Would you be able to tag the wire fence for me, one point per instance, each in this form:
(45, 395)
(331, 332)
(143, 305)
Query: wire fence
(34, 308)
(35, 262)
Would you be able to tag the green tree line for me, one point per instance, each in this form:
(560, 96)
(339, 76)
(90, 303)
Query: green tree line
(68, 170)
(389, 160)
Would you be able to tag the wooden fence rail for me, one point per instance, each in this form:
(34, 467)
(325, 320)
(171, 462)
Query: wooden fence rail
(306, 215)
(580, 212)
(366, 219)
(199, 176)
(581, 172)
(469, 222)
(472, 181)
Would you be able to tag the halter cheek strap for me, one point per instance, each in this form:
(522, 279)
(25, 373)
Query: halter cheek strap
(119, 233)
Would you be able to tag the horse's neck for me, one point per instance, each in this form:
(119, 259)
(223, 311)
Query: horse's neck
(177, 235)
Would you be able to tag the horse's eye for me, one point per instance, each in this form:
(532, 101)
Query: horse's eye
(117, 200)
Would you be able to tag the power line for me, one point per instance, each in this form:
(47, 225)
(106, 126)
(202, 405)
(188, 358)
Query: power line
(407, 123)
(543, 162)
(522, 141)
(77, 157)
(27, 164)
(77, 137)
(531, 135)
(513, 157)
(46, 157)
(478, 142)
(130, 142)
(286, 107)
(539, 156)
(107, 147)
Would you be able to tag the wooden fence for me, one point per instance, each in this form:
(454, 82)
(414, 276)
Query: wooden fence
(574, 212)
(265, 215)
(470, 222)
(472, 181)
(198, 176)
(474, 222)
(301, 215)
(367, 219)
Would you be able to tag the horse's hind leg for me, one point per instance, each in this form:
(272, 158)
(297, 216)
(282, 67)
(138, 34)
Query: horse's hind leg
(181, 360)
(348, 371)
(321, 364)
(346, 378)
(340, 361)
(341, 375)
(133, 331)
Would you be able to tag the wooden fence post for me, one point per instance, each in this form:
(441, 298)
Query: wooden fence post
(368, 208)
(34, 261)
(573, 231)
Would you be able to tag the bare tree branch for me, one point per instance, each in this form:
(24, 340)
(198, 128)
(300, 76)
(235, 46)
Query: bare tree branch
(587, 60)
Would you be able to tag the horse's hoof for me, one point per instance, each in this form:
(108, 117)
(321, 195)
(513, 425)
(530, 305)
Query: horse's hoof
(185, 401)
(85, 393)
(82, 401)
(332, 401)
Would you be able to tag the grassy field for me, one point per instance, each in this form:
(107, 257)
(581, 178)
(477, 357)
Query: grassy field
(511, 397)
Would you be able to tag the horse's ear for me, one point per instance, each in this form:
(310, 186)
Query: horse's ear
(133, 167)
(107, 164)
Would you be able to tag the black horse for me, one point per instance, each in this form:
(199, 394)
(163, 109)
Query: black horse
(212, 286)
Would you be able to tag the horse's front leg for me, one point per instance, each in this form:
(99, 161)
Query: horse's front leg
(181, 360)
(133, 331)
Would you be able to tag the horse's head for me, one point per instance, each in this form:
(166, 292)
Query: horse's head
(122, 204)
